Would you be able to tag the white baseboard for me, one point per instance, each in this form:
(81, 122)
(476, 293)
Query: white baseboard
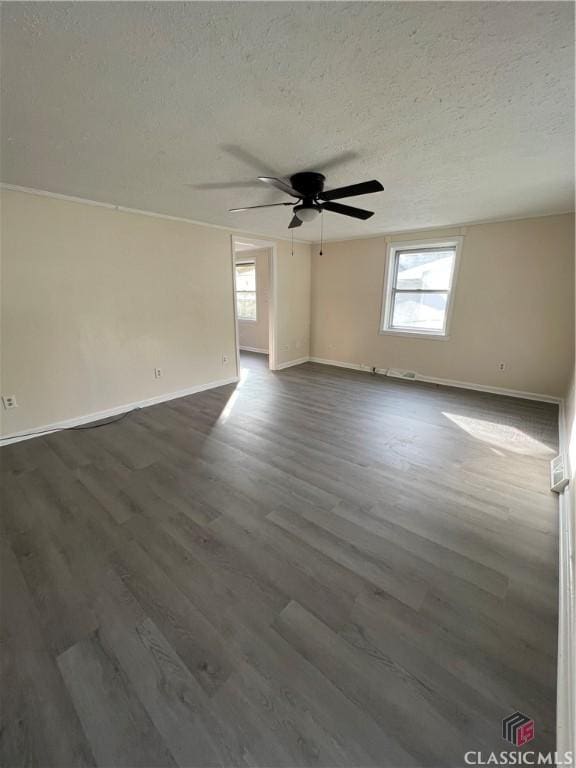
(337, 363)
(47, 429)
(449, 382)
(491, 390)
(290, 363)
(254, 349)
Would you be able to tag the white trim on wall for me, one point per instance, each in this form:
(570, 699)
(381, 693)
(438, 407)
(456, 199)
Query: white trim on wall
(290, 363)
(447, 382)
(56, 426)
(491, 390)
(372, 236)
(137, 211)
(461, 225)
(338, 363)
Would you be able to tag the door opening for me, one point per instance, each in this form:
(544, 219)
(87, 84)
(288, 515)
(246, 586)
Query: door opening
(254, 270)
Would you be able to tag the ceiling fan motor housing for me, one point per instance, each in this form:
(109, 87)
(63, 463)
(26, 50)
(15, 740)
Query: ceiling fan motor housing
(308, 183)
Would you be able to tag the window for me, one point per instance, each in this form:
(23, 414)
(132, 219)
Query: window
(419, 288)
(246, 291)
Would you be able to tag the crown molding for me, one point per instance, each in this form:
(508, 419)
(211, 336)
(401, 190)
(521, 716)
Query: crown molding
(441, 228)
(139, 212)
(233, 230)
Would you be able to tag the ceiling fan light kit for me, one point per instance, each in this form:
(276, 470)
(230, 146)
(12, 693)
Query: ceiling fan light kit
(306, 213)
(308, 189)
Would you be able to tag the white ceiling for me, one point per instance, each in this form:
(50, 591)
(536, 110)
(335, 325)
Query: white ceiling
(464, 111)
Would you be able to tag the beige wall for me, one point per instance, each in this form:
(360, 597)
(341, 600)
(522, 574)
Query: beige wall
(255, 334)
(93, 299)
(513, 300)
(569, 425)
(293, 303)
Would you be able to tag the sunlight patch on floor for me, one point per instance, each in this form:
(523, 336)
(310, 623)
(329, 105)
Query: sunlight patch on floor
(244, 374)
(500, 435)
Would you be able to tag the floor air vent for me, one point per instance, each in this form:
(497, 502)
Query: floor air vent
(558, 474)
(396, 373)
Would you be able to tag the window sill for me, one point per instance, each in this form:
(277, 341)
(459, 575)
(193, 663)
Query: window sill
(413, 334)
(246, 320)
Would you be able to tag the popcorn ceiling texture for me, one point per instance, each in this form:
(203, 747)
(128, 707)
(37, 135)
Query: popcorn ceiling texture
(463, 110)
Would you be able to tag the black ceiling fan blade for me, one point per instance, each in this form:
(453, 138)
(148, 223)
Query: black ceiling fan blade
(295, 222)
(364, 188)
(249, 207)
(280, 184)
(347, 210)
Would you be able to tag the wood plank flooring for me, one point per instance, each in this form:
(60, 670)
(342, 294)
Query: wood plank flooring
(318, 567)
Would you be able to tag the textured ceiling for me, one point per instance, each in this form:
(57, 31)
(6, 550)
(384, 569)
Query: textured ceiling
(464, 111)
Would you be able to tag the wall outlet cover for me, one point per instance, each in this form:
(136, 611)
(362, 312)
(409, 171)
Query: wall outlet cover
(9, 401)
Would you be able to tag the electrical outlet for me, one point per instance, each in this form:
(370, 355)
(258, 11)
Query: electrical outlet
(501, 366)
(9, 401)
(157, 373)
(225, 359)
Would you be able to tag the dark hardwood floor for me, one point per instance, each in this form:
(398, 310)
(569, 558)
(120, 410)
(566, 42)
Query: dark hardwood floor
(317, 567)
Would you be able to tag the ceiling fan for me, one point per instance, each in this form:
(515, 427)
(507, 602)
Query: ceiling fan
(308, 189)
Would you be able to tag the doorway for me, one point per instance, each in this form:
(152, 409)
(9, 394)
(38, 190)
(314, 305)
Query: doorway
(254, 270)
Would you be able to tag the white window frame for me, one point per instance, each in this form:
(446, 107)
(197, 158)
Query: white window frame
(389, 277)
(239, 263)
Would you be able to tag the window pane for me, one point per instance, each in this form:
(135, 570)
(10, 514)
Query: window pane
(419, 311)
(246, 304)
(245, 277)
(425, 270)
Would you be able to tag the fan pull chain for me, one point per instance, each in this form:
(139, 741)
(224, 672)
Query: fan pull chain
(292, 240)
(321, 231)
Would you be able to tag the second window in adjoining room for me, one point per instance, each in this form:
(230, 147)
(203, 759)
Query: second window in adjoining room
(246, 302)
